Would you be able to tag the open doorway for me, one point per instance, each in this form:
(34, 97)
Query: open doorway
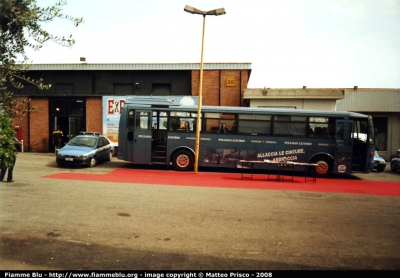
(67, 114)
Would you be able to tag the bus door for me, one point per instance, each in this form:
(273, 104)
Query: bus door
(344, 147)
(142, 137)
(159, 147)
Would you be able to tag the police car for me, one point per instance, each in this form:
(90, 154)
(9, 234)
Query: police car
(395, 163)
(380, 163)
(87, 148)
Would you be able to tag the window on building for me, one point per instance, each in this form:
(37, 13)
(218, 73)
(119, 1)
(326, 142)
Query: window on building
(161, 90)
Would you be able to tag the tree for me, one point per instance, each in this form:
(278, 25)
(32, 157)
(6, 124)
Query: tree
(21, 27)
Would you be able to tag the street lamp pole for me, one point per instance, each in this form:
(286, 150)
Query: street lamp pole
(193, 10)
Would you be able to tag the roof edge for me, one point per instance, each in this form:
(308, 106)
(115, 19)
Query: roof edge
(141, 66)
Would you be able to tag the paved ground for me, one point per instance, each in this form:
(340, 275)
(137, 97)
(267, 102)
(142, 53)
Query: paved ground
(75, 225)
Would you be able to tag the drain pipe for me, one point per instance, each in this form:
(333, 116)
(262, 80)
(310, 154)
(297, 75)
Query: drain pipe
(29, 125)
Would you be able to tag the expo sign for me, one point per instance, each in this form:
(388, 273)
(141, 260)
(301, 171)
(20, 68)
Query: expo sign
(114, 106)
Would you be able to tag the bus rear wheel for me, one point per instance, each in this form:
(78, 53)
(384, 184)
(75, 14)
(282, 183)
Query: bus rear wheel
(183, 160)
(324, 167)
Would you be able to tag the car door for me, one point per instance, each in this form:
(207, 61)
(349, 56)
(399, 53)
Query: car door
(100, 149)
(107, 148)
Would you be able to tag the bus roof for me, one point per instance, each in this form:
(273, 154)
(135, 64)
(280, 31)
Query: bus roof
(170, 105)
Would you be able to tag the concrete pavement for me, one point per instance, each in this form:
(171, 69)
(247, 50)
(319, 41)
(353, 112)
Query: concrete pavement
(76, 225)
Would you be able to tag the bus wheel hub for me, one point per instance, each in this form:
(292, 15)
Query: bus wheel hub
(322, 168)
(182, 161)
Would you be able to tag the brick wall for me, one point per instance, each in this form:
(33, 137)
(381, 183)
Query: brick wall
(230, 96)
(215, 90)
(243, 85)
(39, 126)
(94, 114)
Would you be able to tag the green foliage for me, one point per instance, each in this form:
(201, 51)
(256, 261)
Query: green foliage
(21, 27)
(7, 148)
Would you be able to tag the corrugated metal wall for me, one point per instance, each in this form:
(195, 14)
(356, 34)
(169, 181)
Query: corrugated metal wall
(371, 100)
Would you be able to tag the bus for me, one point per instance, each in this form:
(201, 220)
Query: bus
(157, 130)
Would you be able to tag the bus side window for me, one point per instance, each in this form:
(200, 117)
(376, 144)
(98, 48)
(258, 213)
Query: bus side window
(310, 132)
(174, 124)
(143, 120)
(233, 128)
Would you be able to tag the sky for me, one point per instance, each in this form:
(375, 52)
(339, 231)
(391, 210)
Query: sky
(289, 43)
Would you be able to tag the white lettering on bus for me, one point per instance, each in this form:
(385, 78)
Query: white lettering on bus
(145, 136)
(324, 144)
(285, 158)
(261, 155)
(194, 138)
(282, 155)
(291, 143)
(263, 141)
(298, 143)
(294, 151)
(174, 137)
(231, 140)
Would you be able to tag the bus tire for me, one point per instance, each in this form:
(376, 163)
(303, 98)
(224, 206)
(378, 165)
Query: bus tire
(183, 160)
(325, 165)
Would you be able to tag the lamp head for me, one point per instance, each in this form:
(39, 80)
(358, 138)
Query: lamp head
(193, 10)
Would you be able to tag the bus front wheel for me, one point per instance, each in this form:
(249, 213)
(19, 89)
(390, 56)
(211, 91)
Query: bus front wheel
(183, 160)
(324, 167)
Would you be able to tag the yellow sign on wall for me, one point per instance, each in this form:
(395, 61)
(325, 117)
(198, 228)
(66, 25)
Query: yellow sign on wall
(230, 82)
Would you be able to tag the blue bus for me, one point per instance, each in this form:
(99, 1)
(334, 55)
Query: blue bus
(157, 130)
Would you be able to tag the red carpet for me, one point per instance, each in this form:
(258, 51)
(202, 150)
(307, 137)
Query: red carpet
(232, 180)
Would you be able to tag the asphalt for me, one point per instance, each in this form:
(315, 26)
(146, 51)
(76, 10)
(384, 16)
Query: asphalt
(55, 224)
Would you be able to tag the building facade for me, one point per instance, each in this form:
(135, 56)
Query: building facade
(74, 101)
(384, 106)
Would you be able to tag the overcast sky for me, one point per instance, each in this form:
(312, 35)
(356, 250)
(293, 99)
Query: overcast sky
(290, 43)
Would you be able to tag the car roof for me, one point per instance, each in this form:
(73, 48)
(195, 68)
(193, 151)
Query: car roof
(89, 133)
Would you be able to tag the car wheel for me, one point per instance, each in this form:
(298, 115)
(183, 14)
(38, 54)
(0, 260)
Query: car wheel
(380, 168)
(93, 161)
(324, 167)
(392, 168)
(110, 155)
(183, 160)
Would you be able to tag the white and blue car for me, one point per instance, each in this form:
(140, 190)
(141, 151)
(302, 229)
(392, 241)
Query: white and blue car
(380, 163)
(395, 163)
(86, 149)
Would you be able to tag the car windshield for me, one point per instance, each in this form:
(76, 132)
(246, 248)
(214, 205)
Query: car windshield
(83, 142)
